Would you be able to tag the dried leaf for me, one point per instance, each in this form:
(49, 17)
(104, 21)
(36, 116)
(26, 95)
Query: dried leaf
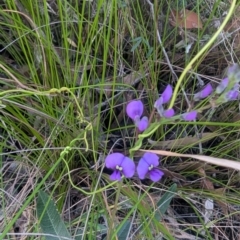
(208, 211)
(211, 160)
(71, 42)
(183, 142)
(185, 19)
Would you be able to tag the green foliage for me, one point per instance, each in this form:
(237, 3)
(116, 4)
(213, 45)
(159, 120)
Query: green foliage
(67, 70)
(124, 230)
(50, 220)
(164, 202)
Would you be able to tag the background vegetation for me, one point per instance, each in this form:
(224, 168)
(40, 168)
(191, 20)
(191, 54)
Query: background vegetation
(67, 70)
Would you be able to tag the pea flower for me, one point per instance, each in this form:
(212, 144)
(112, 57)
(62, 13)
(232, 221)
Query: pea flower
(205, 92)
(189, 116)
(165, 98)
(142, 124)
(228, 91)
(231, 95)
(121, 165)
(169, 113)
(134, 111)
(148, 165)
(233, 74)
(222, 86)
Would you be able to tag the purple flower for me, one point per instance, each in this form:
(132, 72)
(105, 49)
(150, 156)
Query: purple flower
(167, 94)
(159, 107)
(147, 165)
(135, 109)
(233, 69)
(165, 97)
(169, 113)
(142, 124)
(189, 116)
(222, 86)
(231, 95)
(234, 73)
(205, 92)
(121, 165)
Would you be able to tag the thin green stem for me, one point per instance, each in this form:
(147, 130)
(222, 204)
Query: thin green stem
(198, 55)
(112, 223)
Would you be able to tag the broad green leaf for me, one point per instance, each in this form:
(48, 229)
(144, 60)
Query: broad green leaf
(50, 220)
(136, 43)
(79, 234)
(164, 202)
(123, 232)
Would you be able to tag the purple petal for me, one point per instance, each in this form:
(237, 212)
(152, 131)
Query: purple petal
(236, 86)
(155, 174)
(231, 95)
(205, 92)
(142, 124)
(158, 103)
(234, 73)
(134, 109)
(128, 167)
(116, 175)
(142, 168)
(114, 159)
(222, 86)
(190, 116)
(151, 159)
(233, 70)
(169, 113)
(167, 94)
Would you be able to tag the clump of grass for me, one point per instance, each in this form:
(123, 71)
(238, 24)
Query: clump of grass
(67, 71)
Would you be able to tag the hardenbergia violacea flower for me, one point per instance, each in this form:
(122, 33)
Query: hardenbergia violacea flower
(222, 86)
(228, 91)
(205, 92)
(121, 166)
(134, 111)
(168, 113)
(165, 98)
(189, 116)
(148, 166)
(231, 95)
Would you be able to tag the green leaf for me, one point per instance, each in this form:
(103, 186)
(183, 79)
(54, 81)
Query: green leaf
(50, 220)
(123, 232)
(136, 42)
(79, 234)
(165, 201)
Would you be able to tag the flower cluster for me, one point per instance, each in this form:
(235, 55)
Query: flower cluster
(227, 92)
(121, 165)
(124, 166)
(135, 110)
